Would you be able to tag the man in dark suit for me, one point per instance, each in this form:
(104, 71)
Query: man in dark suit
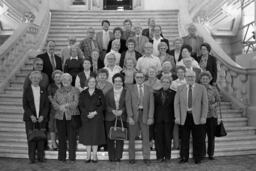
(140, 109)
(148, 32)
(191, 108)
(36, 106)
(51, 61)
(208, 62)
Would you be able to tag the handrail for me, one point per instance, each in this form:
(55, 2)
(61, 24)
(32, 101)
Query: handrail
(26, 42)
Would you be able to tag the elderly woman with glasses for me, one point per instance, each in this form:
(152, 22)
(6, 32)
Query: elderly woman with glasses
(130, 53)
(52, 88)
(118, 32)
(115, 110)
(212, 116)
(92, 132)
(65, 102)
(112, 67)
(163, 55)
(37, 66)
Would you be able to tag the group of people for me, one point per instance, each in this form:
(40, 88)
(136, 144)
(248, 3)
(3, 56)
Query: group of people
(130, 76)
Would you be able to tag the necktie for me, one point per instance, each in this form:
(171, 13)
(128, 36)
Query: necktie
(163, 97)
(53, 61)
(190, 96)
(141, 96)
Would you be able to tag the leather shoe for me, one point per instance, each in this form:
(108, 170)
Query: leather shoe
(183, 161)
(211, 158)
(87, 161)
(95, 161)
(132, 161)
(146, 161)
(197, 161)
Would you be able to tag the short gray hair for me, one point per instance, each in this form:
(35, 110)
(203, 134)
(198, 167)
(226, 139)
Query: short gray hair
(35, 73)
(66, 76)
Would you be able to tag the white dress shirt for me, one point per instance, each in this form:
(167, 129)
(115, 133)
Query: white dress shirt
(105, 39)
(142, 86)
(36, 94)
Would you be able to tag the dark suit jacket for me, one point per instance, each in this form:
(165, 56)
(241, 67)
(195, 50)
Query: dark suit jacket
(211, 67)
(29, 106)
(121, 63)
(111, 105)
(164, 112)
(123, 47)
(47, 67)
(145, 32)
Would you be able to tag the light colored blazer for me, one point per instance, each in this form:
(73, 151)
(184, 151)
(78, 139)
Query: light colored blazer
(199, 104)
(140, 44)
(132, 103)
(99, 39)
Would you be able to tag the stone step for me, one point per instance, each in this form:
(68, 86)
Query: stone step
(112, 13)
(81, 155)
(231, 130)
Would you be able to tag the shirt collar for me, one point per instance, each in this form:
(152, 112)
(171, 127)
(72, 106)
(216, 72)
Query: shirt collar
(151, 56)
(33, 87)
(76, 58)
(142, 85)
(192, 85)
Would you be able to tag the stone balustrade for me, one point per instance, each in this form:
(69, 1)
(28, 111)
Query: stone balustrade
(26, 41)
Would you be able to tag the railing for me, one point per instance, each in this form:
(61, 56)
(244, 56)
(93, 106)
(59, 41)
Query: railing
(234, 81)
(249, 43)
(25, 42)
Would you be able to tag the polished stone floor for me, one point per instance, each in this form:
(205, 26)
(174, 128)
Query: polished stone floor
(234, 163)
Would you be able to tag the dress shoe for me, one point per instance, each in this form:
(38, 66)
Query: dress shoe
(197, 161)
(118, 160)
(87, 161)
(161, 160)
(211, 158)
(132, 161)
(183, 161)
(95, 161)
(32, 161)
(146, 161)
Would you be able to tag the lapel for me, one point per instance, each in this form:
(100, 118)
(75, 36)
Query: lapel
(112, 98)
(184, 94)
(41, 101)
(136, 91)
(194, 93)
(122, 98)
(31, 97)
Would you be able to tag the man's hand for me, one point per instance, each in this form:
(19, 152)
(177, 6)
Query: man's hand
(150, 122)
(41, 118)
(203, 121)
(177, 121)
(33, 118)
(131, 121)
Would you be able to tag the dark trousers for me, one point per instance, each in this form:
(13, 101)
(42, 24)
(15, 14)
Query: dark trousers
(211, 124)
(66, 132)
(133, 132)
(163, 140)
(197, 136)
(34, 146)
(115, 147)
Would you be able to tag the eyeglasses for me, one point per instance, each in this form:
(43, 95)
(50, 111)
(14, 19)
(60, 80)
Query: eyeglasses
(139, 77)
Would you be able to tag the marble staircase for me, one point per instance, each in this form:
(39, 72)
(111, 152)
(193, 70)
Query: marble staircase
(241, 138)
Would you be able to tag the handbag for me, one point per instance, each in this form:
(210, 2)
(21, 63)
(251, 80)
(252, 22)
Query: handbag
(36, 134)
(76, 122)
(118, 133)
(220, 129)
